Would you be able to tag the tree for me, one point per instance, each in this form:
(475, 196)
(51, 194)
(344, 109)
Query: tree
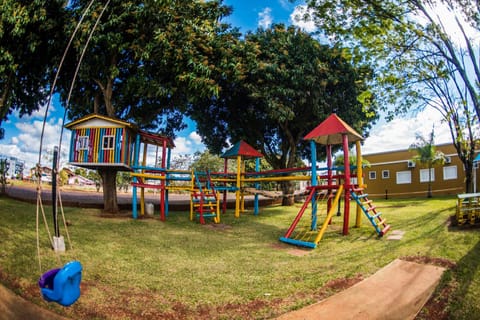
(284, 84)
(31, 43)
(205, 161)
(4, 167)
(145, 62)
(419, 59)
(427, 155)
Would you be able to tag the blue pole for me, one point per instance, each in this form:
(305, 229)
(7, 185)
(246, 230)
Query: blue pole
(313, 147)
(134, 189)
(257, 186)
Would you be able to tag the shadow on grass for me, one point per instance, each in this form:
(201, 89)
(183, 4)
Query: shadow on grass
(464, 300)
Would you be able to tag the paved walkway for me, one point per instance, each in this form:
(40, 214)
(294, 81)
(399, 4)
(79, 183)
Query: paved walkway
(396, 292)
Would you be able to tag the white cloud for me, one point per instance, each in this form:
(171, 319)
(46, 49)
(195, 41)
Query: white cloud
(188, 145)
(301, 17)
(446, 17)
(400, 133)
(285, 4)
(25, 144)
(265, 18)
(195, 137)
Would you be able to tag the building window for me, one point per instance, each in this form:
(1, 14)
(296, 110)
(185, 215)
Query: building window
(424, 177)
(450, 173)
(372, 175)
(108, 142)
(82, 143)
(385, 174)
(404, 177)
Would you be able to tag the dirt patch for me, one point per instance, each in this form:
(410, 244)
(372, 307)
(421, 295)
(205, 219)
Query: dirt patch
(441, 262)
(299, 252)
(153, 305)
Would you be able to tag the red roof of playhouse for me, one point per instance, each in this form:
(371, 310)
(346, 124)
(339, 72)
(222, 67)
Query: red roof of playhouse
(331, 130)
(243, 149)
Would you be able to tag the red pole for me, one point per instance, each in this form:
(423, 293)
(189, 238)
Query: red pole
(300, 213)
(346, 170)
(225, 170)
(329, 176)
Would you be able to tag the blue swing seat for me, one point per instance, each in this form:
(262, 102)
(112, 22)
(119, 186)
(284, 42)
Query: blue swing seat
(62, 285)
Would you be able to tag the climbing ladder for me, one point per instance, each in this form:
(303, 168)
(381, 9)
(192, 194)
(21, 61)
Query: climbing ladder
(204, 201)
(311, 236)
(375, 217)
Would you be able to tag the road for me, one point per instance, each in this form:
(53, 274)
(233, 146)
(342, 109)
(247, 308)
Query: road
(93, 199)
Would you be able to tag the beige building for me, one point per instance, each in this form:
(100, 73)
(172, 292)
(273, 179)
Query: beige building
(393, 174)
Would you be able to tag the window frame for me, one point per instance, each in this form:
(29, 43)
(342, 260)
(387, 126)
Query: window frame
(83, 143)
(108, 142)
(447, 168)
(406, 172)
(386, 174)
(423, 175)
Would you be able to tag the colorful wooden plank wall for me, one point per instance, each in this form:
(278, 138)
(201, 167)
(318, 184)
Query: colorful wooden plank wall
(122, 151)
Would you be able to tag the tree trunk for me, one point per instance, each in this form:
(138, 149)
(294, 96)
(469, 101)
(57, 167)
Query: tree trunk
(468, 180)
(288, 188)
(109, 183)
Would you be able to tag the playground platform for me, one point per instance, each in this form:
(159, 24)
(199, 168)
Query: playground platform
(397, 291)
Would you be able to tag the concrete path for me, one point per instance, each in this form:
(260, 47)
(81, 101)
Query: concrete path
(397, 291)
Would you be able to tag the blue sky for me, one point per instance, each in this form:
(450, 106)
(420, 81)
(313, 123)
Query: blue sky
(22, 134)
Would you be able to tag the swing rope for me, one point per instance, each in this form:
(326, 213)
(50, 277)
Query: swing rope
(39, 190)
(41, 209)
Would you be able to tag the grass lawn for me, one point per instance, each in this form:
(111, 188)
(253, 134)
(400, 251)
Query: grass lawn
(141, 269)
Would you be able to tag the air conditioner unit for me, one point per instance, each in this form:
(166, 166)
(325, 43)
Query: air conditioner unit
(448, 160)
(411, 164)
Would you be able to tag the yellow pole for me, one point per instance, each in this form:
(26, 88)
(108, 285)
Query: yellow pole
(142, 189)
(329, 215)
(217, 210)
(358, 221)
(237, 192)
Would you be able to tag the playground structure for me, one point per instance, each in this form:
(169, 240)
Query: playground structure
(468, 204)
(330, 132)
(208, 190)
(468, 209)
(99, 141)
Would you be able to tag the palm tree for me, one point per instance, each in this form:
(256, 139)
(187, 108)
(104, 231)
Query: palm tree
(427, 155)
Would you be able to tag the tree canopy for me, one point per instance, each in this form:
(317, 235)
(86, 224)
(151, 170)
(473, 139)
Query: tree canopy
(144, 63)
(286, 84)
(31, 42)
(424, 53)
(146, 60)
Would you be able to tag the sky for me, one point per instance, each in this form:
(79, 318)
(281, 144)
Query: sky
(22, 135)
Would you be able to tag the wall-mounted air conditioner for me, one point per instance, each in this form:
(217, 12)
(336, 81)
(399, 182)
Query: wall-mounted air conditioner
(411, 164)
